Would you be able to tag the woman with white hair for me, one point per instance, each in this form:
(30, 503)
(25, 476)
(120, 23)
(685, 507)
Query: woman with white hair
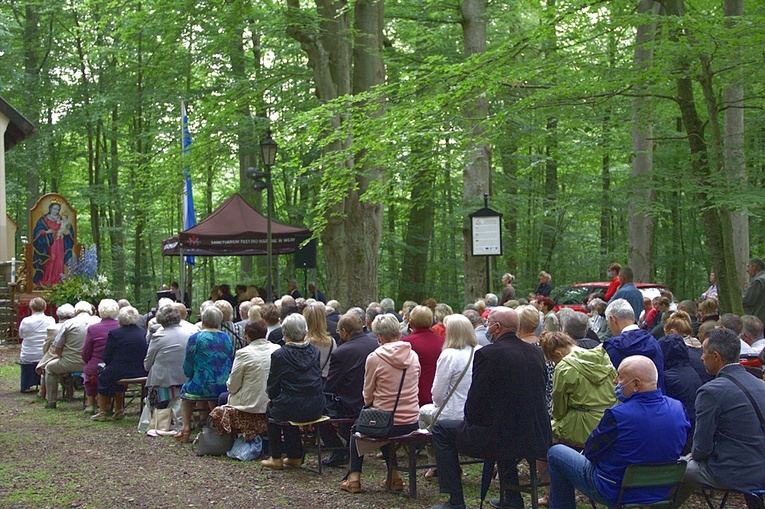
(123, 355)
(296, 390)
(32, 331)
(93, 349)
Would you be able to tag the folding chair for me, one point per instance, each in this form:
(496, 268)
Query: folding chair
(644, 475)
(754, 499)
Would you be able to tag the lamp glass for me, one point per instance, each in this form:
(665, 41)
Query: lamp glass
(268, 149)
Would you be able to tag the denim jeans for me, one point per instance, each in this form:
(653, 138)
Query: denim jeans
(569, 471)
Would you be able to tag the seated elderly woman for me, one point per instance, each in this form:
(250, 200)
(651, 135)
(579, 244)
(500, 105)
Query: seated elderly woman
(392, 363)
(164, 358)
(32, 331)
(296, 390)
(243, 410)
(93, 349)
(124, 353)
(207, 364)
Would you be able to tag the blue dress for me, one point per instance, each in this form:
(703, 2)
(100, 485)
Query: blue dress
(208, 361)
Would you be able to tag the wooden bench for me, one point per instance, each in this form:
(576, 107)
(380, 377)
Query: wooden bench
(140, 392)
(412, 443)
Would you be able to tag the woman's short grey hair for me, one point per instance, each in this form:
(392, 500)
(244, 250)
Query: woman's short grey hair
(83, 307)
(387, 326)
(295, 327)
(597, 304)
(65, 312)
(37, 305)
(108, 308)
(128, 316)
(442, 311)
(546, 275)
(225, 308)
(576, 325)
(169, 315)
(206, 304)
(387, 303)
(212, 317)
(621, 310)
(491, 300)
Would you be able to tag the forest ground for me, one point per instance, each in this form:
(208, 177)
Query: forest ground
(59, 458)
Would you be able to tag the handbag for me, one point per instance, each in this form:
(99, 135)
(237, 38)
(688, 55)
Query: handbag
(454, 388)
(211, 443)
(162, 419)
(376, 423)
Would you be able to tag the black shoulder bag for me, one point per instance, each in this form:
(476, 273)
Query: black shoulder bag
(378, 423)
(749, 396)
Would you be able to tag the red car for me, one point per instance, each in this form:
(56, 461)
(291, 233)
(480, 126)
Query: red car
(571, 297)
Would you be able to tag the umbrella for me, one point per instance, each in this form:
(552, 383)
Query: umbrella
(486, 476)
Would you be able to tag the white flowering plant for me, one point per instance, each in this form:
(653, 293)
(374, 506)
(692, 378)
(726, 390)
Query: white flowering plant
(81, 281)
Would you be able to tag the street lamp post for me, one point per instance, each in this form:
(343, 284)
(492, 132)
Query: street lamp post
(268, 150)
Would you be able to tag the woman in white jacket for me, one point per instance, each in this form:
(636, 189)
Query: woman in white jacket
(453, 368)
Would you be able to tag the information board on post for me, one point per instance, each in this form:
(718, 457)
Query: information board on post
(486, 232)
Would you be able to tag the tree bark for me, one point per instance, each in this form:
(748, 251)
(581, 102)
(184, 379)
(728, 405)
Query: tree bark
(735, 158)
(475, 175)
(641, 222)
(346, 61)
(716, 219)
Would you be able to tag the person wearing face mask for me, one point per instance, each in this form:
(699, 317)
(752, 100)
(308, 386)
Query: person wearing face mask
(646, 427)
(613, 275)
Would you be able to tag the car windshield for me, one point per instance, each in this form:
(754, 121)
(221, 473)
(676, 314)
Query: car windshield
(571, 295)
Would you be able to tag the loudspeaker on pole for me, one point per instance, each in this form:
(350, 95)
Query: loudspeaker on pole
(305, 258)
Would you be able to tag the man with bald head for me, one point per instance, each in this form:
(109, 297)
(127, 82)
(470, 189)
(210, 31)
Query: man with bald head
(505, 413)
(646, 427)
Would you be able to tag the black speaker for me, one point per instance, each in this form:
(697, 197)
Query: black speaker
(305, 258)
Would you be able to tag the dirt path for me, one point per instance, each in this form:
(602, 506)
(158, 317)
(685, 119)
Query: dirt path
(59, 458)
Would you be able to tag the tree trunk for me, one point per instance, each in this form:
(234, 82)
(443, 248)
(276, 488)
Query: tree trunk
(116, 231)
(735, 158)
(641, 222)
(715, 218)
(475, 175)
(346, 62)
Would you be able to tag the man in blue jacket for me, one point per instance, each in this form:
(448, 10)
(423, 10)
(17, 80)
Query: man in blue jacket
(646, 428)
(628, 339)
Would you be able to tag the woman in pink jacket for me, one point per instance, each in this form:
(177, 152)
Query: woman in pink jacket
(382, 377)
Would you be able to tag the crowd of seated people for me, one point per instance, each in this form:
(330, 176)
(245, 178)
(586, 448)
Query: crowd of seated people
(255, 365)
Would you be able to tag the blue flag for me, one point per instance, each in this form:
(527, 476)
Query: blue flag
(189, 216)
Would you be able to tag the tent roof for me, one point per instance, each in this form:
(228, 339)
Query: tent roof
(234, 229)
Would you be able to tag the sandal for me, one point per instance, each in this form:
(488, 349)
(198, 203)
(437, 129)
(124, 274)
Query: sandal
(100, 417)
(351, 486)
(119, 415)
(396, 484)
(183, 436)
